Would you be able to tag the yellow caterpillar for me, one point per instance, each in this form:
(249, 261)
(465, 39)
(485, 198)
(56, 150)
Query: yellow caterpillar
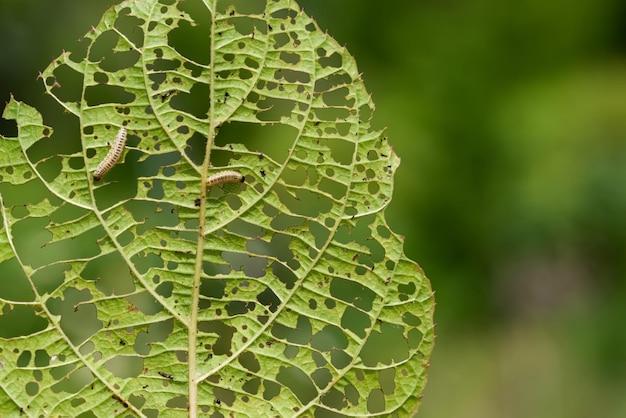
(113, 156)
(228, 176)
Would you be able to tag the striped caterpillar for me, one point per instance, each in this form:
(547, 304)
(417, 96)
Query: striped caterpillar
(114, 154)
(223, 177)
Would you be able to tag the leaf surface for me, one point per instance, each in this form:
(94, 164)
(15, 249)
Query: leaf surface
(148, 293)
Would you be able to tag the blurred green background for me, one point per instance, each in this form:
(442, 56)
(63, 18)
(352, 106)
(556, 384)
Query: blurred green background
(510, 119)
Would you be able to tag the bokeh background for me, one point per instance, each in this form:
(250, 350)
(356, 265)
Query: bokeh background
(510, 119)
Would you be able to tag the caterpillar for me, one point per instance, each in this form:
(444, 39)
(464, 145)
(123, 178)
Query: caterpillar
(114, 154)
(223, 177)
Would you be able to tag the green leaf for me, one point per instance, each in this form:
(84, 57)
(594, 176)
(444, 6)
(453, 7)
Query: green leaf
(146, 293)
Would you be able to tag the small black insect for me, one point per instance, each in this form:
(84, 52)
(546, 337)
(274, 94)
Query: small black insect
(165, 375)
(168, 94)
